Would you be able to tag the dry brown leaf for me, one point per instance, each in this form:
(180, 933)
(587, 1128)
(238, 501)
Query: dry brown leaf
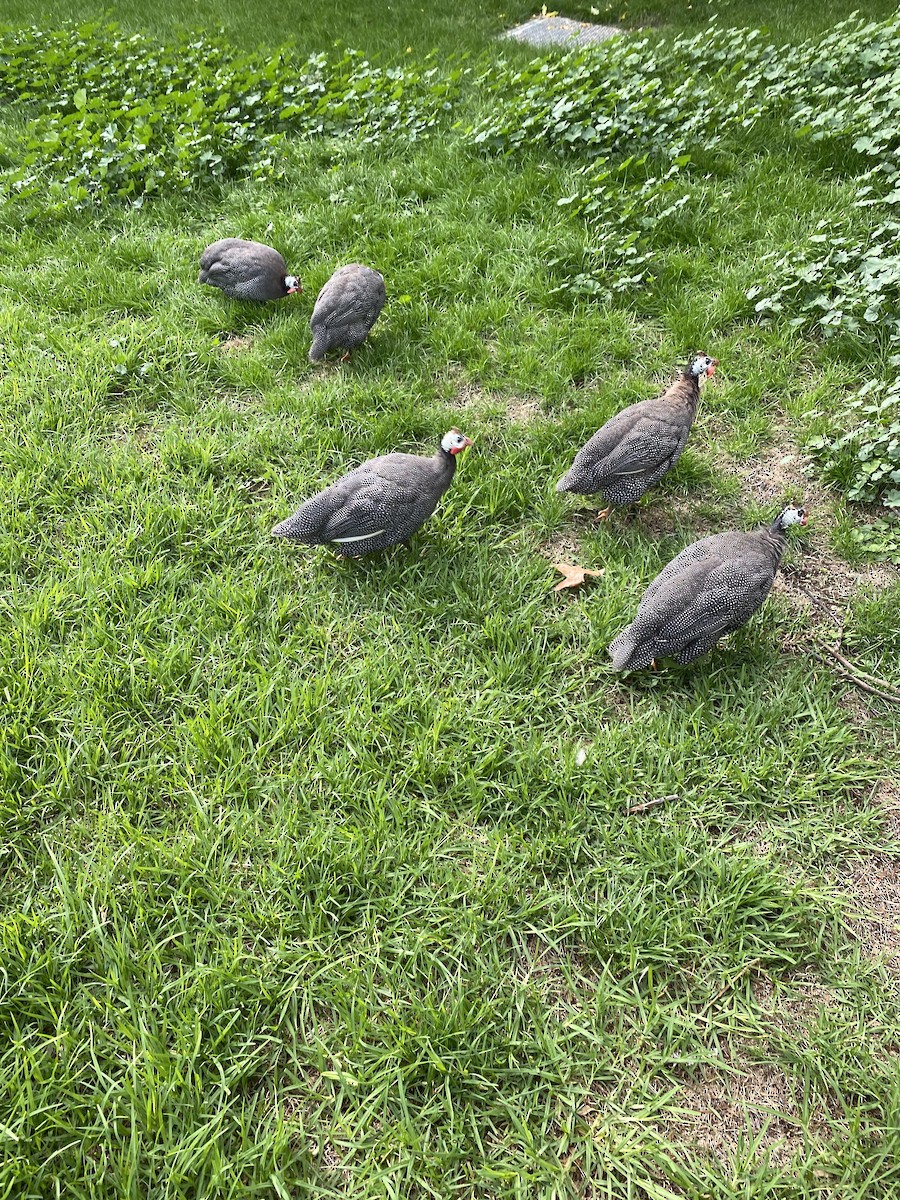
(573, 576)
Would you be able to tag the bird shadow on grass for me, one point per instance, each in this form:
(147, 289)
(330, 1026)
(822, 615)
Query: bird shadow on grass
(230, 317)
(727, 669)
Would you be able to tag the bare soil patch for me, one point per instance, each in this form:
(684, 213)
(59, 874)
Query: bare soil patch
(873, 883)
(780, 471)
(141, 438)
(546, 969)
(887, 798)
(234, 344)
(564, 546)
(240, 401)
(257, 489)
(793, 1012)
(756, 1103)
(518, 410)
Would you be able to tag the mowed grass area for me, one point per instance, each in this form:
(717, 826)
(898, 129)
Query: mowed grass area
(397, 28)
(318, 876)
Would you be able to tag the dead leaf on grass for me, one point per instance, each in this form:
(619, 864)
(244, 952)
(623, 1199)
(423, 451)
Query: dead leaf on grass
(573, 575)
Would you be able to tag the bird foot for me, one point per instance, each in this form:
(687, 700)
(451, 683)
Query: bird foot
(603, 515)
(345, 357)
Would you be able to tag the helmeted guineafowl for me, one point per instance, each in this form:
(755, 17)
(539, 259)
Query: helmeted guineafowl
(636, 447)
(246, 270)
(380, 503)
(346, 309)
(711, 588)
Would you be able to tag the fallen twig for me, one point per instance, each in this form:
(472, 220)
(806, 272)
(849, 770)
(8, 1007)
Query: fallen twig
(754, 962)
(854, 678)
(879, 686)
(840, 621)
(823, 604)
(639, 808)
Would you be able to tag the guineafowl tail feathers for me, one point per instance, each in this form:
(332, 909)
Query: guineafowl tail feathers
(565, 483)
(288, 528)
(621, 649)
(319, 348)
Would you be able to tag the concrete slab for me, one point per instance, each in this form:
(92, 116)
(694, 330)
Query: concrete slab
(561, 31)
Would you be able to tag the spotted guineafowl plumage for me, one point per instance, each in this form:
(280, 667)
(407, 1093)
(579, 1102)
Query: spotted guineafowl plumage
(710, 589)
(246, 270)
(636, 447)
(380, 503)
(346, 309)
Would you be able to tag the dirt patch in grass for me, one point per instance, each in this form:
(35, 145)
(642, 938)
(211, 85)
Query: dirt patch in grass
(663, 519)
(792, 1012)
(755, 1102)
(257, 489)
(873, 886)
(887, 798)
(555, 978)
(780, 471)
(141, 439)
(234, 344)
(564, 546)
(240, 401)
(518, 410)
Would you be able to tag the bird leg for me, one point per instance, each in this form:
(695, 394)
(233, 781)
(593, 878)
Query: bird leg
(603, 514)
(345, 357)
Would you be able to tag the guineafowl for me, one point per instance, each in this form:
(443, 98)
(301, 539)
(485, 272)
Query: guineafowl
(636, 447)
(380, 503)
(246, 270)
(346, 309)
(711, 588)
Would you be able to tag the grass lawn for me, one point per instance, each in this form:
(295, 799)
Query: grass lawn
(318, 876)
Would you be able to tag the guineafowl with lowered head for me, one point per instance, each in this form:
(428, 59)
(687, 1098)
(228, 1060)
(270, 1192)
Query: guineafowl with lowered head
(636, 447)
(246, 270)
(346, 309)
(710, 589)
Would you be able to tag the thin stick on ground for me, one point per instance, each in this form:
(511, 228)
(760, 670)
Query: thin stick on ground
(870, 683)
(820, 602)
(639, 808)
(729, 983)
(853, 678)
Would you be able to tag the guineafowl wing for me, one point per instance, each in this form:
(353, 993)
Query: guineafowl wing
(218, 268)
(650, 442)
(713, 548)
(704, 602)
(610, 435)
(344, 298)
(381, 505)
(360, 516)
